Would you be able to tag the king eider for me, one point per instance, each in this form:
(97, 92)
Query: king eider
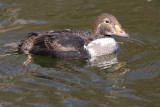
(76, 43)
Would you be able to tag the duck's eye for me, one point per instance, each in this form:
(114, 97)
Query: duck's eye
(107, 21)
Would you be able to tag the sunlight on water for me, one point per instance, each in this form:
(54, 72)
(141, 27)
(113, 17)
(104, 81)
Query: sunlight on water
(127, 78)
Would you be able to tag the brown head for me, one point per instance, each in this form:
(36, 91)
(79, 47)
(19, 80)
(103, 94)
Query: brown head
(106, 24)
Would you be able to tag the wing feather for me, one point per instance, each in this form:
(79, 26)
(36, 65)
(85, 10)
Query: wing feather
(63, 44)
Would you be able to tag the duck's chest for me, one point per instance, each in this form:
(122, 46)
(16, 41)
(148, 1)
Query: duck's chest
(101, 46)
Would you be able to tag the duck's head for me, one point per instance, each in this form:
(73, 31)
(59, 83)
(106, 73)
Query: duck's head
(107, 25)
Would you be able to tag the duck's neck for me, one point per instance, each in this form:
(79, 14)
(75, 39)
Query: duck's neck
(98, 36)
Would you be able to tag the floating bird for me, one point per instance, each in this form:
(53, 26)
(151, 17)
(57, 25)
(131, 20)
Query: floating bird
(75, 43)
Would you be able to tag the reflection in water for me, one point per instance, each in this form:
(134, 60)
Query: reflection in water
(129, 79)
(66, 80)
(105, 61)
(102, 62)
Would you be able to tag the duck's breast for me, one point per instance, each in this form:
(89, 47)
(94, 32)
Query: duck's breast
(101, 46)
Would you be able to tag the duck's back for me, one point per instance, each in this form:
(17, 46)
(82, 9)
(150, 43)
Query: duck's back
(62, 43)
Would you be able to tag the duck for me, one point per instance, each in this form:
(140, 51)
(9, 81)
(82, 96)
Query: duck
(76, 43)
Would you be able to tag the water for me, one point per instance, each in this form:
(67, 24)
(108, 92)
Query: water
(132, 80)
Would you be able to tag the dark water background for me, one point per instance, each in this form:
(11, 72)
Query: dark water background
(46, 82)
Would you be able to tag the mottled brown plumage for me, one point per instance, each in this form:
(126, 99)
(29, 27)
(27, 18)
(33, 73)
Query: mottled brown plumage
(70, 43)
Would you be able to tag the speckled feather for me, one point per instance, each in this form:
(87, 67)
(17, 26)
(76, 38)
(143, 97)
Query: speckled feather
(75, 43)
(67, 41)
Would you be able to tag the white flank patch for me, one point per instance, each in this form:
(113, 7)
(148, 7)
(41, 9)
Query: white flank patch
(104, 41)
(101, 46)
(92, 52)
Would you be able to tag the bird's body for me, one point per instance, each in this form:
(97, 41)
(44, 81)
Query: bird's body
(74, 43)
(61, 43)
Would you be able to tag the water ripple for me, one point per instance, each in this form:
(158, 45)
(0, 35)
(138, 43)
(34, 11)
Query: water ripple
(131, 79)
(45, 82)
(69, 102)
(133, 97)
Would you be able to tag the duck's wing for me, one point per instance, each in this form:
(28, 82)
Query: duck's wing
(86, 35)
(55, 44)
(64, 42)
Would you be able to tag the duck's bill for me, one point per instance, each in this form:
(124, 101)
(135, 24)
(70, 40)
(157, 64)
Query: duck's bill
(122, 34)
